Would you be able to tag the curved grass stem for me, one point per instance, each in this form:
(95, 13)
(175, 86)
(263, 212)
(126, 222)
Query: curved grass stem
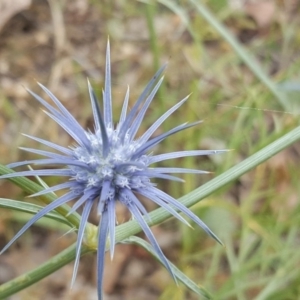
(31, 187)
(13, 286)
(159, 215)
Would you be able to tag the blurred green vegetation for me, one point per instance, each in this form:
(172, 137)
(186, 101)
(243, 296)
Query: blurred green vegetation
(257, 216)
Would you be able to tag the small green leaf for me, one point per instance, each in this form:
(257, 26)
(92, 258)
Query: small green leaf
(31, 209)
(31, 187)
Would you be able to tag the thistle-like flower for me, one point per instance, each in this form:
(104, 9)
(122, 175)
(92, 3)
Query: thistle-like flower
(110, 165)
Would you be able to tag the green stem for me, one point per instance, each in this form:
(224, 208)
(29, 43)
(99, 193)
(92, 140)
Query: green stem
(150, 13)
(159, 215)
(9, 288)
(31, 187)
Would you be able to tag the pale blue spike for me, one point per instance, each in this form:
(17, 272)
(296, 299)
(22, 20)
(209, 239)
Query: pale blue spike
(44, 153)
(161, 157)
(97, 111)
(139, 118)
(69, 130)
(152, 174)
(133, 199)
(186, 211)
(58, 202)
(81, 201)
(133, 164)
(50, 161)
(55, 188)
(47, 172)
(124, 108)
(112, 226)
(20, 163)
(132, 113)
(59, 105)
(178, 170)
(102, 236)
(107, 101)
(67, 119)
(73, 122)
(145, 137)
(45, 103)
(104, 196)
(84, 217)
(163, 204)
(136, 213)
(151, 143)
(94, 108)
(50, 144)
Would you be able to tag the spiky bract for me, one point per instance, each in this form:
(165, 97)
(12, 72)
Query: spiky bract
(110, 164)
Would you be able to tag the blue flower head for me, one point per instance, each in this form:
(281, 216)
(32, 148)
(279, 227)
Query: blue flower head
(110, 164)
